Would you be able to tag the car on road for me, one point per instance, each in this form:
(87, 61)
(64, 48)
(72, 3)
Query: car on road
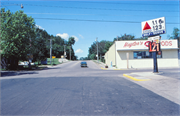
(83, 64)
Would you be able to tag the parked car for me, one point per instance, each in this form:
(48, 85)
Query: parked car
(83, 64)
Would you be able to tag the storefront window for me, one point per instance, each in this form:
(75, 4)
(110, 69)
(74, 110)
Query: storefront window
(144, 54)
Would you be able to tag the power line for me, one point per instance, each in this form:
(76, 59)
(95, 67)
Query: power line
(98, 8)
(123, 3)
(97, 20)
(6, 7)
(98, 2)
(94, 14)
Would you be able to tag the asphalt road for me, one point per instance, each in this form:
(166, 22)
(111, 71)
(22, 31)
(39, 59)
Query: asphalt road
(68, 89)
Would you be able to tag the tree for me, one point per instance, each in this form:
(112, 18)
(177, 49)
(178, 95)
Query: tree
(141, 38)
(17, 36)
(71, 41)
(92, 56)
(176, 35)
(39, 49)
(108, 45)
(124, 37)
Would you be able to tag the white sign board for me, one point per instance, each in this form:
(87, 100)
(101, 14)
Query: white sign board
(143, 45)
(153, 27)
(154, 39)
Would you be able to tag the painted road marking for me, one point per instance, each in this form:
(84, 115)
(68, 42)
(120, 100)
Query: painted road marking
(112, 69)
(103, 68)
(135, 79)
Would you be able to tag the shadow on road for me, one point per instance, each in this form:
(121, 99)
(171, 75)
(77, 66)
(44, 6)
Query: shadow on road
(13, 73)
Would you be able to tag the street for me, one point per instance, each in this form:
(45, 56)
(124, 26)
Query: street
(68, 89)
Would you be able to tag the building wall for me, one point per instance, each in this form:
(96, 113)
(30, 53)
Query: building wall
(110, 56)
(169, 59)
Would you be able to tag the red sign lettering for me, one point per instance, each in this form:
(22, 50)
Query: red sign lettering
(163, 43)
(166, 43)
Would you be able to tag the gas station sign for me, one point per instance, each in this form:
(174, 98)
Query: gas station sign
(154, 39)
(154, 47)
(153, 27)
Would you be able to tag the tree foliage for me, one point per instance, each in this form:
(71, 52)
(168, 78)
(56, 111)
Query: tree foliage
(20, 36)
(17, 35)
(103, 47)
(40, 51)
(176, 35)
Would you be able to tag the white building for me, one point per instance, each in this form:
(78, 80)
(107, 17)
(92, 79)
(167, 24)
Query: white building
(135, 54)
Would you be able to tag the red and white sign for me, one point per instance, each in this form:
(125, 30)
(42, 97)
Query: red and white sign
(154, 39)
(131, 45)
(153, 27)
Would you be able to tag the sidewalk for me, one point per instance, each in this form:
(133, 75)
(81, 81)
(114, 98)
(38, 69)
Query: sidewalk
(102, 65)
(166, 84)
(32, 71)
(61, 61)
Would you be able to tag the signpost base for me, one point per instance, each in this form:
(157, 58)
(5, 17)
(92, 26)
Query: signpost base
(155, 62)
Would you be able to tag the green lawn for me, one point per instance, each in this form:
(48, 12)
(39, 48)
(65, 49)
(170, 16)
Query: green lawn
(54, 61)
(38, 67)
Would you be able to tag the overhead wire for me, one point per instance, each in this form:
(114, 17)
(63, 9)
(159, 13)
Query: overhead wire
(96, 20)
(97, 8)
(91, 14)
(113, 2)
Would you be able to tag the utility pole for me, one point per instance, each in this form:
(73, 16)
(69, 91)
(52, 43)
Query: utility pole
(50, 51)
(70, 52)
(97, 49)
(64, 51)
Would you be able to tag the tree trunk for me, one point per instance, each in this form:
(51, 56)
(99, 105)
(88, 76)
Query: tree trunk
(13, 64)
(4, 63)
(29, 65)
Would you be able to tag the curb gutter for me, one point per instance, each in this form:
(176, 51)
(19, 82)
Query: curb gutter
(135, 79)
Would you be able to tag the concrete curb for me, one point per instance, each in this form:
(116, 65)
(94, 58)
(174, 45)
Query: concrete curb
(103, 68)
(135, 79)
(112, 69)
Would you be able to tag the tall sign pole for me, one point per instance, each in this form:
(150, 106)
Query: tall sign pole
(155, 62)
(152, 29)
(155, 47)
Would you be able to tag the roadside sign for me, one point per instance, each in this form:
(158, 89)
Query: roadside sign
(154, 39)
(154, 47)
(53, 57)
(153, 27)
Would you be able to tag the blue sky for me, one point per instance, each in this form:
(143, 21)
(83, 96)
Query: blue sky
(88, 20)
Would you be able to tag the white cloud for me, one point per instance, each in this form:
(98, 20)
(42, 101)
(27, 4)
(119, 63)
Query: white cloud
(79, 51)
(81, 36)
(76, 39)
(64, 35)
(39, 27)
